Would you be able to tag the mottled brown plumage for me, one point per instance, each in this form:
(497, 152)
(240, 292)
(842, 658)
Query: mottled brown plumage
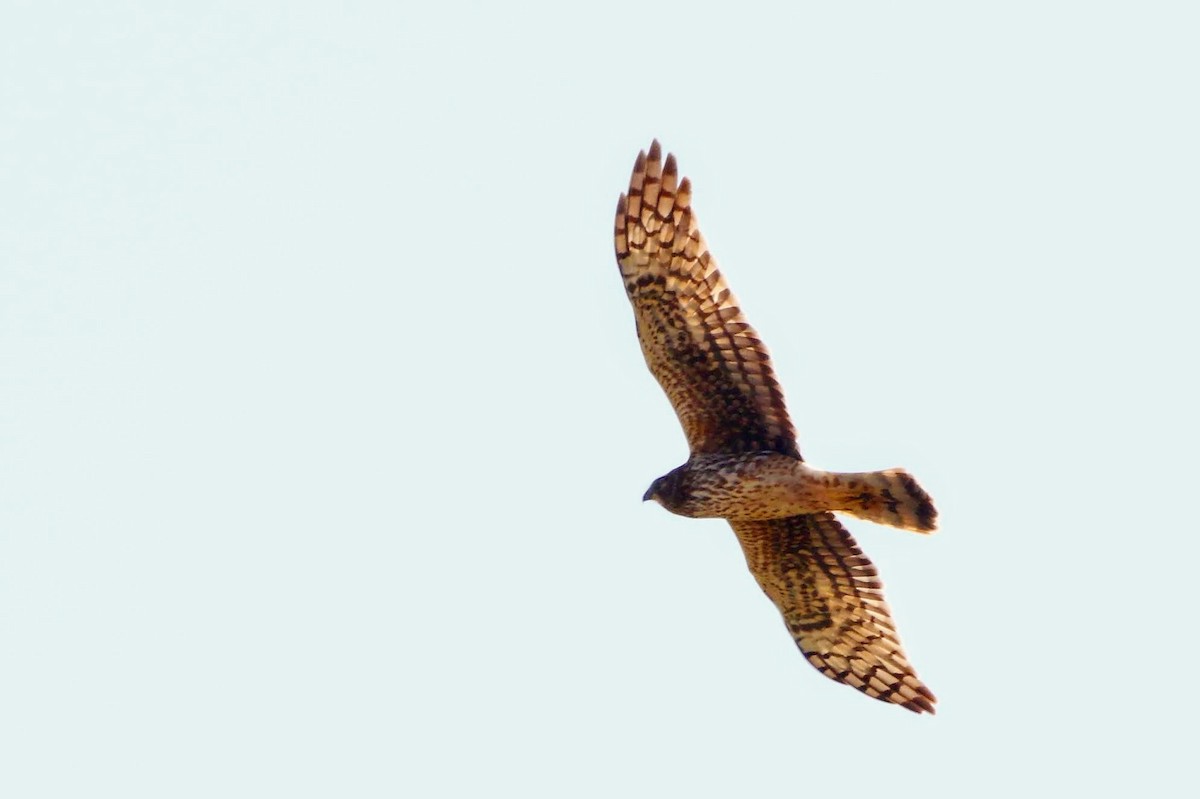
(704, 353)
(832, 603)
(744, 464)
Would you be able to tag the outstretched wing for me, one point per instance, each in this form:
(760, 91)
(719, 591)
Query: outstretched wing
(832, 602)
(707, 358)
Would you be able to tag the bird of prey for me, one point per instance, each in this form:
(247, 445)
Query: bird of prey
(744, 464)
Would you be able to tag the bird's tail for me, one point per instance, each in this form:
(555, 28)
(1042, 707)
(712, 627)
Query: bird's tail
(888, 497)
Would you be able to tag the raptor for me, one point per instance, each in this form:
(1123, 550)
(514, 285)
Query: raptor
(744, 464)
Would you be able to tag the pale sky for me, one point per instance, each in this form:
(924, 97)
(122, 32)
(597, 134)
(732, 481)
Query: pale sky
(324, 427)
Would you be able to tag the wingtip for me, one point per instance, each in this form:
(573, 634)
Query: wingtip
(670, 179)
(923, 701)
(683, 197)
(654, 165)
(638, 177)
(670, 167)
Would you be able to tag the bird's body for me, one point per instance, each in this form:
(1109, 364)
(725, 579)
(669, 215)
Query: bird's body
(745, 465)
(757, 486)
(741, 487)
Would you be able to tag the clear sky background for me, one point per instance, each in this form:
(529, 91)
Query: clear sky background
(324, 427)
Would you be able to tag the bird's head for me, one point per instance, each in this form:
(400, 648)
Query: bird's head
(667, 490)
(652, 493)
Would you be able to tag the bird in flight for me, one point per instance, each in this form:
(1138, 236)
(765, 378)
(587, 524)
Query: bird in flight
(744, 464)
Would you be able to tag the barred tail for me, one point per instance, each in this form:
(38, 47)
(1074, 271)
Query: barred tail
(888, 497)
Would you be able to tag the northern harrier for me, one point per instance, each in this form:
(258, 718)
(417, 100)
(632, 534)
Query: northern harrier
(744, 464)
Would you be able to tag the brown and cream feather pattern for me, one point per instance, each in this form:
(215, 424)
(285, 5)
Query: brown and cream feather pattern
(717, 374)
(832, 603)
(707, 357)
